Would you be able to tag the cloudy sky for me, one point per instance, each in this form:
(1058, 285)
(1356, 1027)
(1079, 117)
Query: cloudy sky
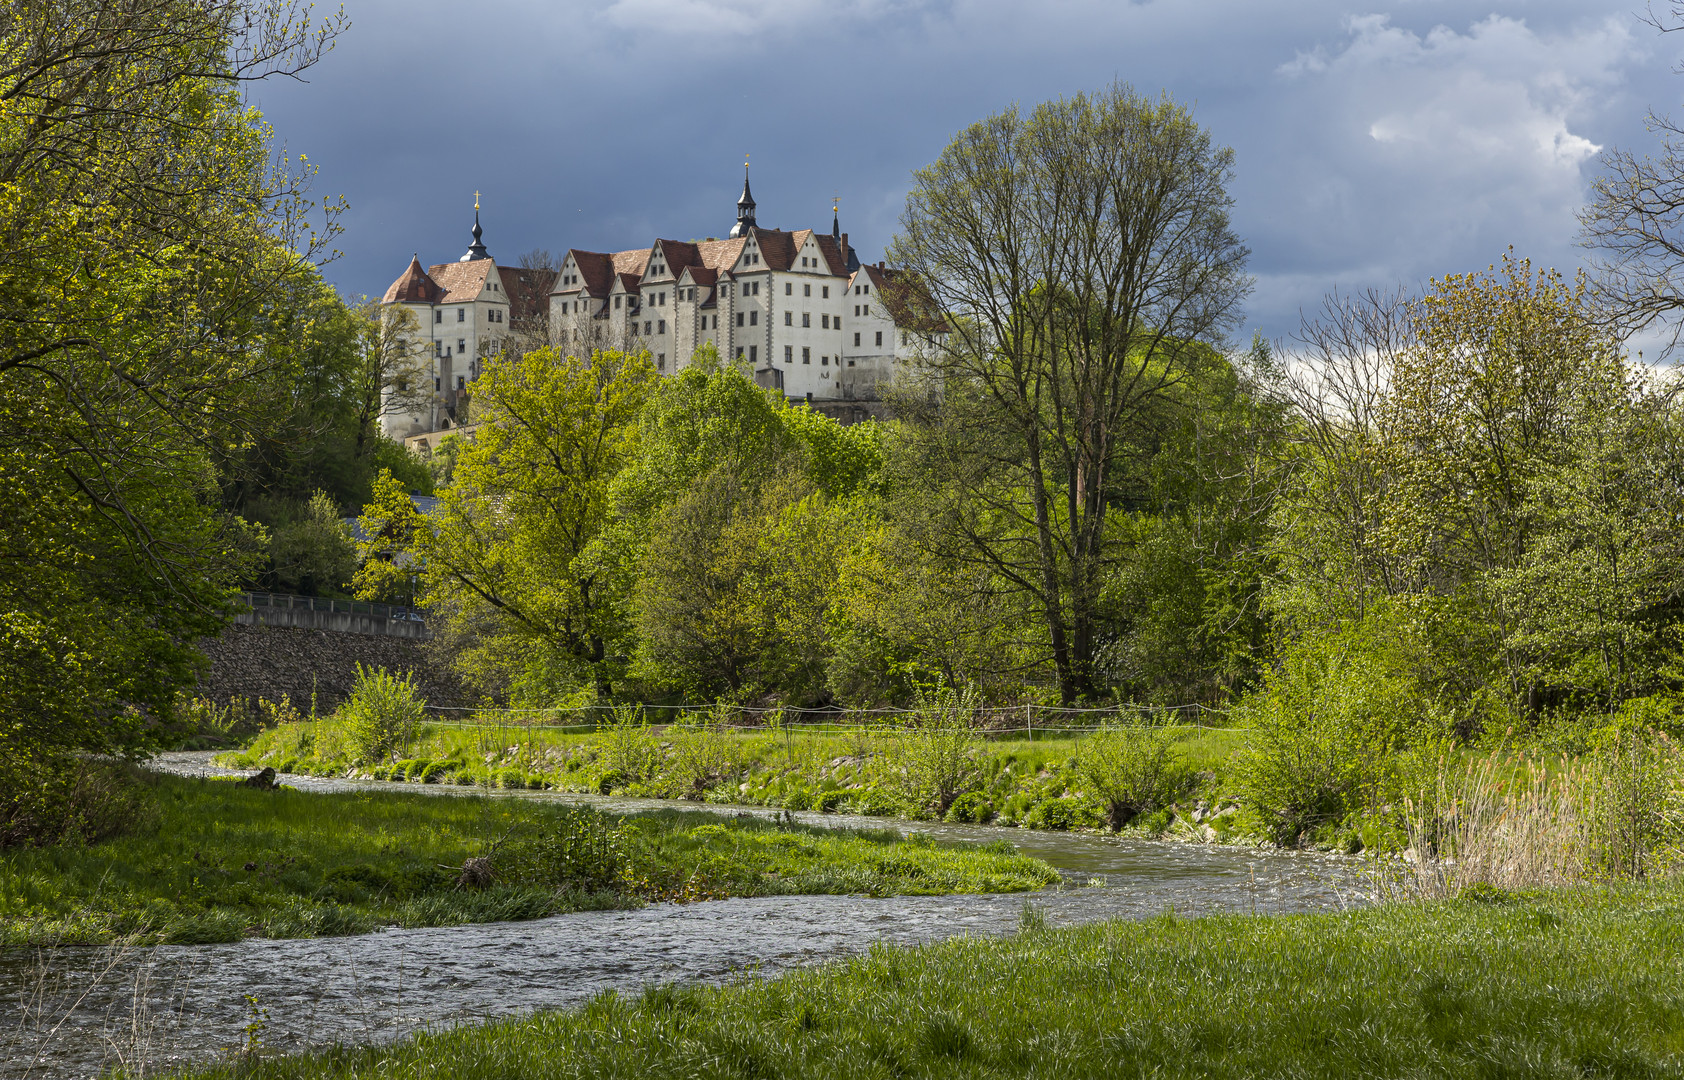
(1376, 144)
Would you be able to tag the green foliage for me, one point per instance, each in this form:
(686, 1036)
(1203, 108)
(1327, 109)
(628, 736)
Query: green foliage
(575, 848)
(381, 715)
(1327, 725)
(1130, 769)
(626, 748)
(932, 757)
(310, 549)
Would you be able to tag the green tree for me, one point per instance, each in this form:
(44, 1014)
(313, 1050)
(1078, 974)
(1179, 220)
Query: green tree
(1084, 255)
(510, 558)
(153, 247)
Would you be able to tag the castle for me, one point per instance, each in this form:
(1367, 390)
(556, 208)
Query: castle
(797, 308)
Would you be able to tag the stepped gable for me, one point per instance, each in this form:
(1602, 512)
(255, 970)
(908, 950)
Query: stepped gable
(413, 287)
(462, 281)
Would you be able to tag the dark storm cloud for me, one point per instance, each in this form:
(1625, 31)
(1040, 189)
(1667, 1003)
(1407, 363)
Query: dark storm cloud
(1376, 144)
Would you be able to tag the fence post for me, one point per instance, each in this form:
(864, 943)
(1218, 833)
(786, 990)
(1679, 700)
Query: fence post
(1029, 719)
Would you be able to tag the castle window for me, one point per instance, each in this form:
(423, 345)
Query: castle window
(616, 303)
(662, 327)
(866, 308)
(826, 291)
(856, 339)
(438, 316)
(856, 309)
(461, 345)
(739, 318)
(789, 289)
(824, 361)
(806, 355)
(789, 318)
(806, 290)
(754, 318)
(661, 361)
(903, 337)
(753, 353)
(806, 319)
(461, 382)
(867, 289)
(437, 384)
(824, 320)
(879, 337)
(739, 352)
(789, 354)
(461, 314)
(850, 363)
(646, 328)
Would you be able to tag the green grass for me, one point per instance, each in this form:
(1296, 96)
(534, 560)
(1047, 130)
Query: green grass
(798, 770)
(224, 861)
(1578, 984)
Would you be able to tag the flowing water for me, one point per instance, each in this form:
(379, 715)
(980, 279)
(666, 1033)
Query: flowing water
(72, 1012)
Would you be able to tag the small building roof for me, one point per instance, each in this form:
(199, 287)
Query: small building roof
(413, 286)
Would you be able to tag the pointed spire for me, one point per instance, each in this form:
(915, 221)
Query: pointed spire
(745, 207)
(477, 250)
(836, 217)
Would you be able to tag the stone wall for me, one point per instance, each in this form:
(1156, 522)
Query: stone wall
(272, 661)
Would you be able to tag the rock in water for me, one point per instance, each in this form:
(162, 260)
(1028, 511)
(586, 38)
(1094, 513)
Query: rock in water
(263, 781)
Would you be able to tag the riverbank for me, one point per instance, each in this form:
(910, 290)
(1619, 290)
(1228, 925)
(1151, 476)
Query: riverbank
(220, 862)
(1013, 781)
(1576, 983)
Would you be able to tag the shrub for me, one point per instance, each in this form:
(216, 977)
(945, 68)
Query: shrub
(381, 714)
(72, 800)
(933, 757)
(704, 754)
(626, 747)
(439, 772)
(1326, 728)
(973, 807)
(1130, 769)
(578, 848)
(1055, 814)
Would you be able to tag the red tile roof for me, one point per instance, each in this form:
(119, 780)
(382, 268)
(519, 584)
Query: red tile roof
(908, 303)
(462, 281)
(528, 292)
(413, 287)
(597, 269)
(834, 256)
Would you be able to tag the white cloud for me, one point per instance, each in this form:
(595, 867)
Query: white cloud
(1430, 152)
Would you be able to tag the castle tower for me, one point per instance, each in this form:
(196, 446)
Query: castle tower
(477, 250)
(745, 210)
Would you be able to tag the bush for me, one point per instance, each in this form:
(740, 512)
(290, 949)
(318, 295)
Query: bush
(1059, 814)
(626, 749)
(704, 754)
(1327, 728)
(1130, 770)
(933, 757)
(578, 849)
(72, 801)
(973, 807)
(381, 714)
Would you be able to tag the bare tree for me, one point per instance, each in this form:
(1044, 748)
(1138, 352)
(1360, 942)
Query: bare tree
(1636, 217)
(1084, 255)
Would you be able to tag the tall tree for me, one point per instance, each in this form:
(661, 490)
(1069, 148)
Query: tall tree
(148, 242)
(1084, 255)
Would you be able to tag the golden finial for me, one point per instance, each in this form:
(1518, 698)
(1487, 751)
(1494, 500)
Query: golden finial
(476, 200)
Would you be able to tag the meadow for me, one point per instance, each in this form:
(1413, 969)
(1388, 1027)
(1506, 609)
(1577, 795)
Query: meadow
(1012, 780)
(216, 861)
(1576, 983)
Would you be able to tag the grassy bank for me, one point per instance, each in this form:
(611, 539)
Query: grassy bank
(219, 861)
(1012, 781)
(1582, 983)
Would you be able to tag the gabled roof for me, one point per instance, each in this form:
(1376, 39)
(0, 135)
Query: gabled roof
(462, 281)
(720, 255)
(908, 303)
(413, 287)
(597, 269)
(678, 254)
(833, 255)
(699, 275)
(527, 291)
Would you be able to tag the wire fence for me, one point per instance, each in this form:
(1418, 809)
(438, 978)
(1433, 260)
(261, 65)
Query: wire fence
(995, 720)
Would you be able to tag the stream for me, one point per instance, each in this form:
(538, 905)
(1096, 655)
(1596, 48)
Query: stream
(73, 1012)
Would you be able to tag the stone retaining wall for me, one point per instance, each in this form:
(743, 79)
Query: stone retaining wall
(273, 661)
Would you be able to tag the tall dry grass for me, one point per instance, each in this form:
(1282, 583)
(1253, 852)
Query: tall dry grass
(1508, 820)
